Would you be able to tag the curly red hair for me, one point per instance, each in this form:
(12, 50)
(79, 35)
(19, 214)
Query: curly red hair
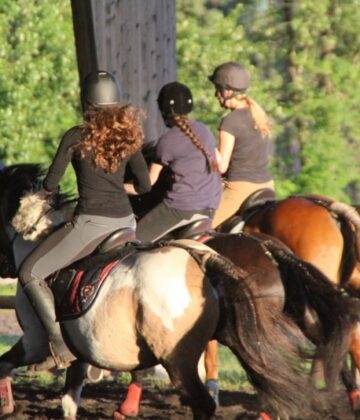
(111, 134)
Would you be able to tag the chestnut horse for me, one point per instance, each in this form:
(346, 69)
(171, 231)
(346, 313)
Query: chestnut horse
(319, 230)
(162, 305)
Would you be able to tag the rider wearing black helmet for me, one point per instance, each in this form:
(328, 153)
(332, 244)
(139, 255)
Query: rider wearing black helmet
(188, 150)
(99, 151)
(244, 136)
(100, 89)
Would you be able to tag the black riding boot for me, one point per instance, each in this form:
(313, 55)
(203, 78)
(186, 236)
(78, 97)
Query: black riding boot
(42, 300)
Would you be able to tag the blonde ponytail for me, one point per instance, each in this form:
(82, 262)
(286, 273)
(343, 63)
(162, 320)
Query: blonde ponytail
(262, 122)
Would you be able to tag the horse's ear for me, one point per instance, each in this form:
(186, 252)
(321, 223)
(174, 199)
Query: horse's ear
(30, 220)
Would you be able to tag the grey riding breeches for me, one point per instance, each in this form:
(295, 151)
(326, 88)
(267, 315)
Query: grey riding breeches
(69, 243)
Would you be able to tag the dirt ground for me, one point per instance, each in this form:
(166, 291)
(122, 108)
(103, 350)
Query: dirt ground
(101, 399)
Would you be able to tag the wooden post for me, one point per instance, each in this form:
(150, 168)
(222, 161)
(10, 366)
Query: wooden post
(135, 39)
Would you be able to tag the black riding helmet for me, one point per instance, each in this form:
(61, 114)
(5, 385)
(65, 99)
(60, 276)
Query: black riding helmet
(175, 98)
(232, 76)
(100, 88)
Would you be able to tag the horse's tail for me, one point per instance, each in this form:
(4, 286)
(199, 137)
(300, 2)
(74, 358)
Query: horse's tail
(332, 308)
(352, 216)
(266, 344)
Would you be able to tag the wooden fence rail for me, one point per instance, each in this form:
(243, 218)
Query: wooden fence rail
(7, 302)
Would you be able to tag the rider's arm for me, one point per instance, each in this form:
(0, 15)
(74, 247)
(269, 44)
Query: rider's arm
(61, 160)
(154, 172)
(226, 147)
(139, 169)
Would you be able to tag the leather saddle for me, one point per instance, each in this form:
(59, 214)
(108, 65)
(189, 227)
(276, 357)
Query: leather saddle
(75, 287)
(259, 198)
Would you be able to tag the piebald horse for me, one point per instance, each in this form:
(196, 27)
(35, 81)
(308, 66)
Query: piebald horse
(162, 305)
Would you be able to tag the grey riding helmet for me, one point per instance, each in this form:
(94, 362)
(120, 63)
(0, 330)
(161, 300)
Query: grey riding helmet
(100, 88)
(232, 76)
(175, 98)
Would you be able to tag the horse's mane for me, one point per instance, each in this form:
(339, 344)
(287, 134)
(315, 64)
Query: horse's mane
(15, 182)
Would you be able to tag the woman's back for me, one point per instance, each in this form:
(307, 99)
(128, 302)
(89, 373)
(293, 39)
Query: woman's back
(194, 186)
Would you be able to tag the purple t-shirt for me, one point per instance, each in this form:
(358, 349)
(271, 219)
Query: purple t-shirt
(194, 187)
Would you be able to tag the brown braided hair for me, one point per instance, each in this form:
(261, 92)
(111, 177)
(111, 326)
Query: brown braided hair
(182, 122)
(111, 134)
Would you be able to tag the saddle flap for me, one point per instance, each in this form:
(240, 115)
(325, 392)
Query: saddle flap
(77, 290)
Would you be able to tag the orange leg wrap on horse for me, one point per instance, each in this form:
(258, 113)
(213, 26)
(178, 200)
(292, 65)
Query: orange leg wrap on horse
(131, 406)
(212, 369)
(354, 398)
(211, 360)
(6, 397)
(264, 416)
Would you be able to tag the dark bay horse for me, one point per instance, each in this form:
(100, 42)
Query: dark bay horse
(317, 229)
(162, 305)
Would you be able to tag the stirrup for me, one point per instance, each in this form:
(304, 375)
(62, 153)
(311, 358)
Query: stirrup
(94, 373)
(64, 357)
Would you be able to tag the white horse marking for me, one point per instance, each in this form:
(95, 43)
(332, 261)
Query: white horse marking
(159, 286)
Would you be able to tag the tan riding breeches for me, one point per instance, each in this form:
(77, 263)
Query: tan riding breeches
(233, 195)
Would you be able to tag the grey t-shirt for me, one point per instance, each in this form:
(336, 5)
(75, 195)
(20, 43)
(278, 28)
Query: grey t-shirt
(194, 187)
(250, 157)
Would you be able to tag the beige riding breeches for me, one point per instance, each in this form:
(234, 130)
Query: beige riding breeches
(233, 195)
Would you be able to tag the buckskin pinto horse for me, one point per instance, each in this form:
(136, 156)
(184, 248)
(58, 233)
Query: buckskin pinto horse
(154, 306)
(317, 229)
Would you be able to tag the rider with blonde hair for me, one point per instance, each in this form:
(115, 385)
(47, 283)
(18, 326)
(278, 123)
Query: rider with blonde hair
(110, 137)
(244, 140)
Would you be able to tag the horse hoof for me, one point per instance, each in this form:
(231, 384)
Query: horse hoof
(118, 416)
(213, 388)
(131, 406)
(354, 398)
(7, 405)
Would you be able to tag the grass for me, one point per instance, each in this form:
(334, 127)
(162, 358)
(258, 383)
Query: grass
(231, 376)
(8, 289)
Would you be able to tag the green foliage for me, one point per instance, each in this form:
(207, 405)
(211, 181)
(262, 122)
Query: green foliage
(303, 56)
(6, 342)
(7, 289)
(38, 78)
(304, 59)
